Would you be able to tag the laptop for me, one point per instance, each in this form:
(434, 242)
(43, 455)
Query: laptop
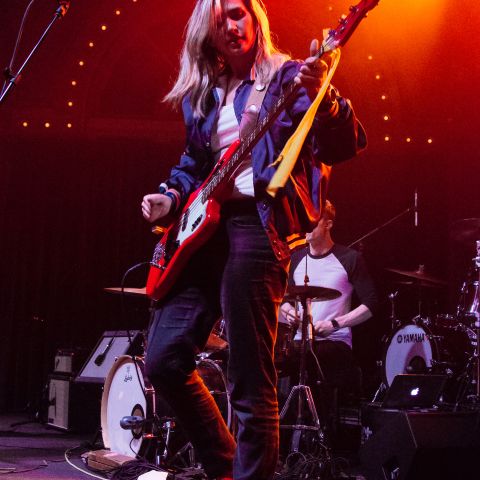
(414, 391)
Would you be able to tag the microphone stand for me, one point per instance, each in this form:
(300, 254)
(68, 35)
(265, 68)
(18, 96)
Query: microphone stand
(12, 78)
(380, 227)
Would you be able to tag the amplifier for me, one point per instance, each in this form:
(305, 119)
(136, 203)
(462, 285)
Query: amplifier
(71, 406)
(111, 345)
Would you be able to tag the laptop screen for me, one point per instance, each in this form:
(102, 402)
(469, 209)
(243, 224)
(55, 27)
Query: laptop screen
(414, 391)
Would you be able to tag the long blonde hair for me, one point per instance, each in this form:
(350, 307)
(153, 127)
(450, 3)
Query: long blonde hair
(201, 63)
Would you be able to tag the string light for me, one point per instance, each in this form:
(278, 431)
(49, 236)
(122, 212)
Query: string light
(430, 140)
(386, 118)
(81, 63)
(103, 27)
(377, 76)
(383, 97)
(70, 103)
(387, 138)
(47, 125)
(370, 57)
(91, 44)
(25, 124)
(69, 125)
(408, 139)
(117, 12)
(74, 83)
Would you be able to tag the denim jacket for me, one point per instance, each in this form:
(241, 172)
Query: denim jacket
(296, 208)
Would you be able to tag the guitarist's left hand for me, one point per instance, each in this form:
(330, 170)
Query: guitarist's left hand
(314, 71)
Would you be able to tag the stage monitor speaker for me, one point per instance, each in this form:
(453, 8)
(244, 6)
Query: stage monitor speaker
(110, 346)
(424, 445)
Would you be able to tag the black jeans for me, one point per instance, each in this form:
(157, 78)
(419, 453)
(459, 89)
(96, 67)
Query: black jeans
(235, 274)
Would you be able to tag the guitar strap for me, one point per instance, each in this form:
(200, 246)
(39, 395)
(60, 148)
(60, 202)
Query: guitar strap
(252, 108)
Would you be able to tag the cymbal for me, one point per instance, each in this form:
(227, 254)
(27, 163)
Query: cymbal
(466, 230)
(314, 293)
(418, 283)
(135, 292)
(419, 274)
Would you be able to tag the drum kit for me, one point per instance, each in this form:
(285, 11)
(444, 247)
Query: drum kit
(442, 343)
(137, 422)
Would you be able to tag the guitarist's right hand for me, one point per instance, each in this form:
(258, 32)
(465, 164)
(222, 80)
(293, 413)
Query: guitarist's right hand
(155, 206)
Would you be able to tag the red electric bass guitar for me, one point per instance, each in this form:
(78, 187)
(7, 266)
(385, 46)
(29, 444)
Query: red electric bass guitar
(201, 215)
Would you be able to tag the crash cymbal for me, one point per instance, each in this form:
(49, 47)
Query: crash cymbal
(136, 292)
(314, 293)
(418, 274)
(465, 231)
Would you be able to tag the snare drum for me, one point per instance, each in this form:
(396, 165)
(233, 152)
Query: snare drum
(416, 348)
(128, 392)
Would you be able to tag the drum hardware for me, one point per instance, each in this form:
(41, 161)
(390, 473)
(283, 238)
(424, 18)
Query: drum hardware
(395, 322)
(303, 295)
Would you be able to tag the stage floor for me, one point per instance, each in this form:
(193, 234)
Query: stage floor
(30, 450)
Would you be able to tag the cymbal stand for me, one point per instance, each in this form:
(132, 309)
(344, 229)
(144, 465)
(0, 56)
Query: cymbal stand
(475, 310)
(303, 391)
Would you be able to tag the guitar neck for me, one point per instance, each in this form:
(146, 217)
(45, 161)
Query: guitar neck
(224, 170)
(220, 177)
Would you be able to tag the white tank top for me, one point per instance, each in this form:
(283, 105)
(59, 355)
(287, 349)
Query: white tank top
(226, 132)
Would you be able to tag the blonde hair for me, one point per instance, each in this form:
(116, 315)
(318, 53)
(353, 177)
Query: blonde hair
(201, 63)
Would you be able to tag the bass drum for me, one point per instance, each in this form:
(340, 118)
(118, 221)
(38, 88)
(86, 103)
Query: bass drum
(128, 392)
(415, 348)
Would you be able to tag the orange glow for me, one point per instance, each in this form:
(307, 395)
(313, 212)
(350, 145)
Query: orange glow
(377, 76)
(386, 118)
(81, 63)
(74, 83)
(408, 139)
(25, 124)
(91, 44)
(383, 97)
(430, 140)
(69, 125)
(387, 138)
(103, 27)
(70, 103)
(117, 12)
(47, 124)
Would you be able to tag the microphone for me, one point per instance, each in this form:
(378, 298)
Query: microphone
(415, 208)
(131, 422)
(100, 359)
(101, 356)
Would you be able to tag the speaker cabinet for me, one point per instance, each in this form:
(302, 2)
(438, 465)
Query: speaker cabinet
(110, 346)
(411, 445)
(72, 407)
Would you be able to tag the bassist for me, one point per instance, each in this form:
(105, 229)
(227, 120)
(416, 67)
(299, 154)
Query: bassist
(241, 271)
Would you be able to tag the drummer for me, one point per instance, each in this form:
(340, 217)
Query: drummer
(327, 264)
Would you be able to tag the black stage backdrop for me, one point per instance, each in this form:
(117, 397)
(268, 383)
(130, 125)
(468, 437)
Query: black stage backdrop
(70, 221)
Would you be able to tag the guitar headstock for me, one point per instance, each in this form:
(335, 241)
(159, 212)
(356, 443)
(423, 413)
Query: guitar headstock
(347, 25)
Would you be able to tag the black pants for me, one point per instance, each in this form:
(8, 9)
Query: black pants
(236, 274)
